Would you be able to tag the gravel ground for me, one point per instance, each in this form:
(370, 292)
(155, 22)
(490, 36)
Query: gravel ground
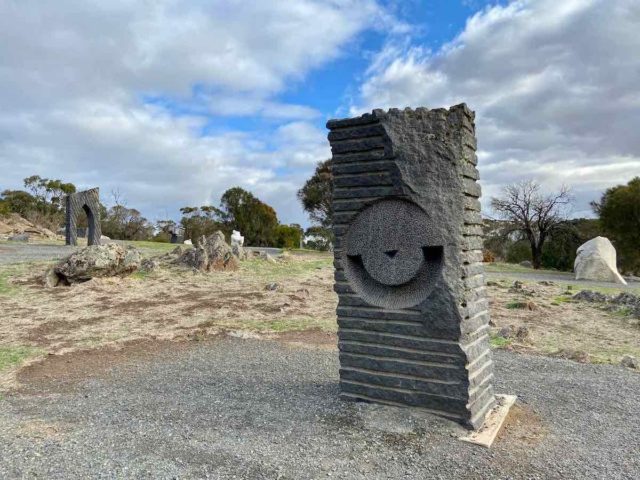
(14, 252)
(259, 409)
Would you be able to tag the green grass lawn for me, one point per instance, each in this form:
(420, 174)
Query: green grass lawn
(263, 269)
(5, 287)
(499, 267)
(160, 247)
(13, 356)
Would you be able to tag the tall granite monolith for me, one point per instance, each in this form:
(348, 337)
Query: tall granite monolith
(412, 312)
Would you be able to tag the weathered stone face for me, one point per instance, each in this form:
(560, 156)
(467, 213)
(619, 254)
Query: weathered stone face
(412, 313)
(391, 256)
(81, 203)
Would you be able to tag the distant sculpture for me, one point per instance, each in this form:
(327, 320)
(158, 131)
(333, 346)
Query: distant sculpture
(89, 202)
(596, 260)
(412, 312)
(237, 239)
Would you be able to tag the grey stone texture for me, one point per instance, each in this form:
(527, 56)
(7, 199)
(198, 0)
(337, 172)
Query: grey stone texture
(89, 202)
(92, 262)
(412, 312)
(212, 253)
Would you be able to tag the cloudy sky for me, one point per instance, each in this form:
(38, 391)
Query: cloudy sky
(171, 103)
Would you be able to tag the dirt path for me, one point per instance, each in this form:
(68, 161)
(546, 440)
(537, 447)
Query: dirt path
(231, 408)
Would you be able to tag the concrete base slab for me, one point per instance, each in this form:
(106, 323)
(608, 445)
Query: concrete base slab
(493, 422)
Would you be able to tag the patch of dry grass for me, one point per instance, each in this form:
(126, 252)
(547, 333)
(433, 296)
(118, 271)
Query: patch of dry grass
(173, 303)
(168, 303)
(559, 324)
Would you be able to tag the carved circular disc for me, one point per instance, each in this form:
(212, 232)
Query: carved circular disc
(392, 259)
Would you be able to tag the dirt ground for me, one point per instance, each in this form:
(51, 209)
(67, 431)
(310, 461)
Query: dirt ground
(285, 298)
(558, 325)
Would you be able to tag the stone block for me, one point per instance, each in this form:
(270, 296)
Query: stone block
(412, 312)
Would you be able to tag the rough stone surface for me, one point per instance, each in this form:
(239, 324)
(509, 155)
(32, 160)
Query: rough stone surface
(211, 253)
(237, 241)
(590, 296)
(412, 312)
(89, 202)
(267, 257)
(596, 260)
(94, 261)
(21, 237)
(623, 302)
(149, 264)
(630, 361)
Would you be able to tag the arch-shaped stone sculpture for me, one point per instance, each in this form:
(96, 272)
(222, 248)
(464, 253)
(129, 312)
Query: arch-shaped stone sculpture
(88, 202)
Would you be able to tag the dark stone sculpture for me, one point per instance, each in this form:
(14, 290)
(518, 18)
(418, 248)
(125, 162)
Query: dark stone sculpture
(89, 202)
(412, 312)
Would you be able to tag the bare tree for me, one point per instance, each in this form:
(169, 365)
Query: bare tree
(117, 199)
(533, 213)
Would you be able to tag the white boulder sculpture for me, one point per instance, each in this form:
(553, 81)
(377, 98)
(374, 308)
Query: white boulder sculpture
(237, 239)
(596, 260)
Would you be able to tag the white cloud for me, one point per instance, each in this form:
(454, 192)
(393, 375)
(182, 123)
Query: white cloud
(554, 85)
(74, 77)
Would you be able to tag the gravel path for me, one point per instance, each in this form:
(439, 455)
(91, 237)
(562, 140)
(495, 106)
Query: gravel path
(258, 409)
(14, 252)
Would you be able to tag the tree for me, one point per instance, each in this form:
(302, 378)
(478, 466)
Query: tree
(19, 201)
(201, 221)
(561, 247)
(49, 191)
(532, 213)
(319, 238)
(164, 230)
(125, 223)
(42, 204)
(288, 236)
(619, 214)
(316, 195)
(257, 221)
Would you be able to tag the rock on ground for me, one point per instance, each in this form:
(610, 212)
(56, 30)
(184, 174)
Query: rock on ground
(21, 237)
(596, 260)
(590, 296)
(630, 362)
(212, 253)
(94, 261)
(239, 252)
(149, 264)
(265, 256)
(624, 301)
